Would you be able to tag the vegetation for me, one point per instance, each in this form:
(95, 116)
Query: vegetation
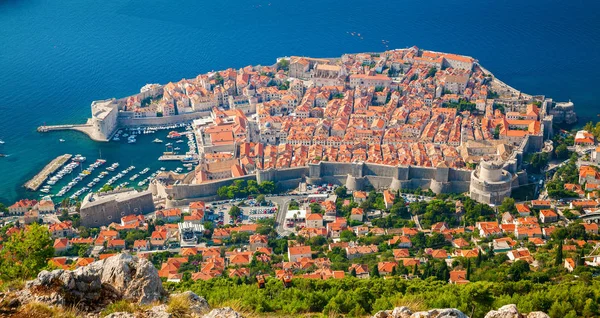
(106, 188)
(431, 72)
(25, 253)
(242, 189)
(283, 64)
(357, 297)
(36, 309)
(179, 306)
(461, 106)
(219, 78)
(492, 95)
(119, 306)
(593, 129)
(537, 162)
(567, 173)
(562, 152)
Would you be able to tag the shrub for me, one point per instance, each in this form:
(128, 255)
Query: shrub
(119, 306)
(179, 306)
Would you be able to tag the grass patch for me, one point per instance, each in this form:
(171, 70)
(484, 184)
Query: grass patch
(119, 306)
(34, 310)
(179, 306)
(15, 284)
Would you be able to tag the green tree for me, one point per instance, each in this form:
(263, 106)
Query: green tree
(468, 269)
(283, 64)
(235, 212)
(347, 236)
(496, 133)
(508, 205)
(267, 187)
(106, 188)
(581, 258)
(562, 152)
(26, 253)
(537, 162)
(518, 269)
(260, 199)
(341, 191)
(375, 271)
(558, 261)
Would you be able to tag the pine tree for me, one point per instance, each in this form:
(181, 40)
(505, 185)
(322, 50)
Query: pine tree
(479, 259)
(416, 270)
(353, 272)
(468, 269)
(375, 271)
(559, 254)
(581, 258)
(394, 273)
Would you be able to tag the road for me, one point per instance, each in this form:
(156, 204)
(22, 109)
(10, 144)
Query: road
(283, 203)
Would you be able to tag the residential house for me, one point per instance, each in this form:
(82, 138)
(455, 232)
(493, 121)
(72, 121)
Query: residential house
(357, 214)
(314, 220)
(458, 276)
(388, 199)
(361, 270)
(297, 252)
(548, 216)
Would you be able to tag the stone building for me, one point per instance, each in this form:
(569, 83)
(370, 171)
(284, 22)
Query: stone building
(104, 119)
(99, 209)
(490, 183)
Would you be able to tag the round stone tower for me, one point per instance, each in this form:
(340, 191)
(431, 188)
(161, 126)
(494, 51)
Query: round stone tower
(490, 183)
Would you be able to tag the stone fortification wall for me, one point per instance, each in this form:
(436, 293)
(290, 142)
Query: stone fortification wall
(357, 176)
(188, 191)
(280, 175)
(124, 122)
(421, 173)
(104, 213)
(380, 170)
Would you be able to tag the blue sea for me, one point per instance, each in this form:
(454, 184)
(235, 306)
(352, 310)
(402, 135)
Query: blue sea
(58, 56)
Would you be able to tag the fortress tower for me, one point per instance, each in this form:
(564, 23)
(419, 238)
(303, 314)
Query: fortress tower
(490, 183)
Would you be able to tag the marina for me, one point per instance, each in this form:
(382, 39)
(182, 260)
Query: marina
(49, 169)
(75, 178)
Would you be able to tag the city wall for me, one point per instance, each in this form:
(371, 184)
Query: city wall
(126, 121)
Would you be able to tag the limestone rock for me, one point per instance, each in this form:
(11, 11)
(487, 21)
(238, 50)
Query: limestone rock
(450, 312)
(120, 315)
(537, 314)
(226, 312)
(198, 305)
(506, 311)
(401, 312)
(421, 314)
(382, 314)
(158, 312)
(122, 276)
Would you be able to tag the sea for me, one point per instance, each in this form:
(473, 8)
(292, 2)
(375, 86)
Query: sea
(56, 57)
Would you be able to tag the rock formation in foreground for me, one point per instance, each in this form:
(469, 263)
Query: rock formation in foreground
(508, 311)
(121, 277)
(125, 277)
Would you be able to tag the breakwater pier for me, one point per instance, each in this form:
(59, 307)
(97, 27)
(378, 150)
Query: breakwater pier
(50, 168)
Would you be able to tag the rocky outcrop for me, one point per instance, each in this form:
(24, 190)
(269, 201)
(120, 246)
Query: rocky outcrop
(119, 277)
(198, 305)
(508, 311)
(226, 312)
(404, 312)
(511, 311)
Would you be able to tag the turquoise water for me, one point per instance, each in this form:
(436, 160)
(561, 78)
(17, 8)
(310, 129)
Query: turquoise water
(58, 56)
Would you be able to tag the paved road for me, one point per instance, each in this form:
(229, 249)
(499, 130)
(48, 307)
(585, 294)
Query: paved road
(283, 204)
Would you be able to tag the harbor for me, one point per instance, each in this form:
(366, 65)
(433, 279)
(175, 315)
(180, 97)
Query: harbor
(35, 183)
(114, 165)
